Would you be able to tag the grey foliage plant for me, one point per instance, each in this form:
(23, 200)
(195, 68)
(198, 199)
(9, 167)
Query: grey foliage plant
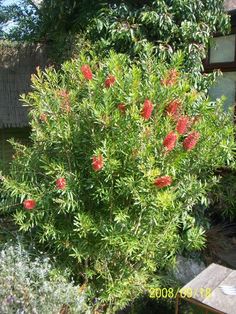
(33, 287)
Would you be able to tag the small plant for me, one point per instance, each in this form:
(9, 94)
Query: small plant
(223, 200)
(121, 152)
(32, 286)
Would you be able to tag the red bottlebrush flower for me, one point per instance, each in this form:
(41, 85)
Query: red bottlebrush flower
(65, 105)
(173, 108)
(97, 163)
(171, 78)
(121, 107)
(29, 204)
(191, 140)
(147, 109)
(110, 80)
(170, 141)
(63, 93)
(87, 73)
(61, 183)
(182, 124)
(162, 182)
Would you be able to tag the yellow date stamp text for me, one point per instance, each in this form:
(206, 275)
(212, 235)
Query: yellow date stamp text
(164, 293)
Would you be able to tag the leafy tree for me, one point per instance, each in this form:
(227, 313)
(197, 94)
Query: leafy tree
(3, 19)
(19, 22)
(126, 25)
(121, 154)
(46, 21)
(169, 25)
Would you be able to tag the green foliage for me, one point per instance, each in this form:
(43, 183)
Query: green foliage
(169, 25)
(33, 286)
(223, 201)
(46, 20)
(125, 26)
(20, 21)
(115, 224)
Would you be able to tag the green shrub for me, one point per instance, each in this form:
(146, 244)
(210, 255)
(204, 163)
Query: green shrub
(33, 286)
(112, 176)
(223, 201)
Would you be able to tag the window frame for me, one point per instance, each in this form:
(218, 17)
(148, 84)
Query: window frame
(223, 66)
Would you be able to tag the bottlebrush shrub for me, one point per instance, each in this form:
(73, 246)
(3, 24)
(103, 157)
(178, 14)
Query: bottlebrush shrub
(124, 205)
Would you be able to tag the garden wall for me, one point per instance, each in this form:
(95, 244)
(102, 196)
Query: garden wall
(17, 63)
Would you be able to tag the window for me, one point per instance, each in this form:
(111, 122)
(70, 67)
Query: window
(222, 55)
(222, 49)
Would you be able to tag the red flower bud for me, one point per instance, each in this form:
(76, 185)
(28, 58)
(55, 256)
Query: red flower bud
(43, 117)
(182, 124)
(147, 109)
(97, 163)
(61, 183)
(170, 141)
(161, 182)
(29, 204)
(110, 80)
(174, 108)
(63, 93)
(65, 105)
(87, 73)
(121, 107)
(171, 78)
(191, 140)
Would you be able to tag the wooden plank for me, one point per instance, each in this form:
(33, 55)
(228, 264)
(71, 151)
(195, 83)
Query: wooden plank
(208, 309)
(210, 278)
(221, 301)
